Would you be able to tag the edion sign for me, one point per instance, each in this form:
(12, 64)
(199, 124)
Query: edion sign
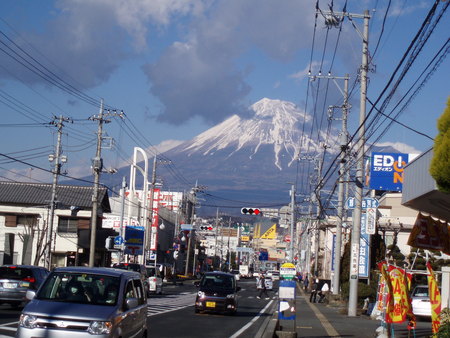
(386, 170)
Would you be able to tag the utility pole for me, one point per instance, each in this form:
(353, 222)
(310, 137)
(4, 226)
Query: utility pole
(193, 192)
(318, 189)
(97, 166)
(56, 172)
(151, 237)
(341, 190)
(356, 230)
(332, 19)
(291, 247)
(122, 211)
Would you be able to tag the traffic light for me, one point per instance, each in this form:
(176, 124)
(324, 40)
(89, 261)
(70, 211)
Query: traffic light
(250, 211)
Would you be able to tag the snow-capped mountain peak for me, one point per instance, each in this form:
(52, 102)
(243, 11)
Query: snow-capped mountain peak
(275, 123)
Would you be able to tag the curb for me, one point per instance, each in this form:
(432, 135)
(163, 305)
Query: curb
(269, 325)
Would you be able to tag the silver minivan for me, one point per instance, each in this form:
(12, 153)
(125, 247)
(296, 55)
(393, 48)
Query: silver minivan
(84, 302)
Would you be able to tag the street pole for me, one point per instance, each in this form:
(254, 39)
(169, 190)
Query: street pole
(193, 191)
(151, 237)
(343, 155)
(122, 212)
(56, 172)
(97, 168)
(215, 238)
(228, 246)
(291, 247)
(356, 230)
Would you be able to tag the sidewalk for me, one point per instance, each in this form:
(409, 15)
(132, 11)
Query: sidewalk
(322, 320)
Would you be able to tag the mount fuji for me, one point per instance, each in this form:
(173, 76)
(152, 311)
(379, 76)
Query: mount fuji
(250, 158)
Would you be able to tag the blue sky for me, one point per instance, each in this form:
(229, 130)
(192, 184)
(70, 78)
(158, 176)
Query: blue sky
(178, 67)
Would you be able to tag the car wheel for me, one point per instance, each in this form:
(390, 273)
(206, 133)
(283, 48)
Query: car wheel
(196, 310)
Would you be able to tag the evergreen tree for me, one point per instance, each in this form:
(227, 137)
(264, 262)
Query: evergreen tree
(440, 164)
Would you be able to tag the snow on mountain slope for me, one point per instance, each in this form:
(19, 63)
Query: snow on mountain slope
(275, 123)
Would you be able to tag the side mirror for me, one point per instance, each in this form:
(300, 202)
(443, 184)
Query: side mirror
(238, 288)
(30, 294)
(131, 303)
(197, 283)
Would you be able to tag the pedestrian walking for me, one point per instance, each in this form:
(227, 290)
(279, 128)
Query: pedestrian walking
(306, 283)
(314, 290)
(262, 287)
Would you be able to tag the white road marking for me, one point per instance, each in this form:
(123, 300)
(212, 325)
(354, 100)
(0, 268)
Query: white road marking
(250, 323)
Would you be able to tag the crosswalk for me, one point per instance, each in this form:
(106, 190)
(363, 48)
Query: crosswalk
(170, 303)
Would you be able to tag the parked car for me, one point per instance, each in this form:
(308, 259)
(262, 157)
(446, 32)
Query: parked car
(154, 279)
(86, 302)
(16, 280)
(275, 274)
(420, 301)
(217, 292)
(140, 268)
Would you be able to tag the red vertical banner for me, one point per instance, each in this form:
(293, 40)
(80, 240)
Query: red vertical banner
(435, 299)
(155, 218)
(389, 299)
(399, 295)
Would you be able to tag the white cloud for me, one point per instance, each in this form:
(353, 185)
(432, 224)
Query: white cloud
(300, 75)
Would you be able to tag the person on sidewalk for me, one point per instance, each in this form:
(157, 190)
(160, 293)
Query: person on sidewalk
(306, 283)
(314, 290)
(262, 287)
(324, 292)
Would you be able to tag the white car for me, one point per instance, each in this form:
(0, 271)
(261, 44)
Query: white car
(155, 280)
(275, 274)
(420, 301)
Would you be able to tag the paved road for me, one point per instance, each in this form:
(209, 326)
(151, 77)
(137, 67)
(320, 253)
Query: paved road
(172, 314)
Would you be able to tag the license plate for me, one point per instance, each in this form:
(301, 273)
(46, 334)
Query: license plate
(210, 304)
(9, 285)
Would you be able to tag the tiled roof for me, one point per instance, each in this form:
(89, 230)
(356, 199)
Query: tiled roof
(40, 194)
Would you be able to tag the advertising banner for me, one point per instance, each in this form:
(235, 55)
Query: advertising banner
(271, 233)
(386, 170)
(364, 251)
(430, 234)
(435, 299)
(399, 296)
(134, 241)
(155, 218)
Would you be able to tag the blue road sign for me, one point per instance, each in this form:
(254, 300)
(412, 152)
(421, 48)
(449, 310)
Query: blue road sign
(367, 202)
(118, 240)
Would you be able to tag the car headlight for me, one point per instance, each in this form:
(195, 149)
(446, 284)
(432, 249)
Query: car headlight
(96, 327)
(201, 294)
(27, 321)
(231, 296)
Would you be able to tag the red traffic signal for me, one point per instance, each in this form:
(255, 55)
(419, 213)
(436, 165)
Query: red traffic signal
(250, 211)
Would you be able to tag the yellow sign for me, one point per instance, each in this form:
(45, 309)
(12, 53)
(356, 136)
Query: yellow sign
(288, 266)
(245, 238)
(435, 299)
(271, 233)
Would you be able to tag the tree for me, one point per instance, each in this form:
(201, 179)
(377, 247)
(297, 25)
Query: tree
(440, 163)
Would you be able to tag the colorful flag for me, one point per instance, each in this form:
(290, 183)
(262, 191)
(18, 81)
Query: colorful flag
(398, 296)
(435, 299)
(389, 300)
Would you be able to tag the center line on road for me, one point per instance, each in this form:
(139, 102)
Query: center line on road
(250, 323)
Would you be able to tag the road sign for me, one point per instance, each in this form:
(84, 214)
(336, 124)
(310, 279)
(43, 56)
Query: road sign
(118, 240)
(186, 226)
(371, 216)
(288, 271)
(367, 202)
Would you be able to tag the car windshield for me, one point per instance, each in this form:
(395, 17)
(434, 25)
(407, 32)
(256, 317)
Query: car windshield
(15, 273)
(151, 272)
(80, 288)
(420, 292)
(218, 281)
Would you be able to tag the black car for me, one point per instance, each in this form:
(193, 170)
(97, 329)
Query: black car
(135, 267)
(217, 293)
(16, 280)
